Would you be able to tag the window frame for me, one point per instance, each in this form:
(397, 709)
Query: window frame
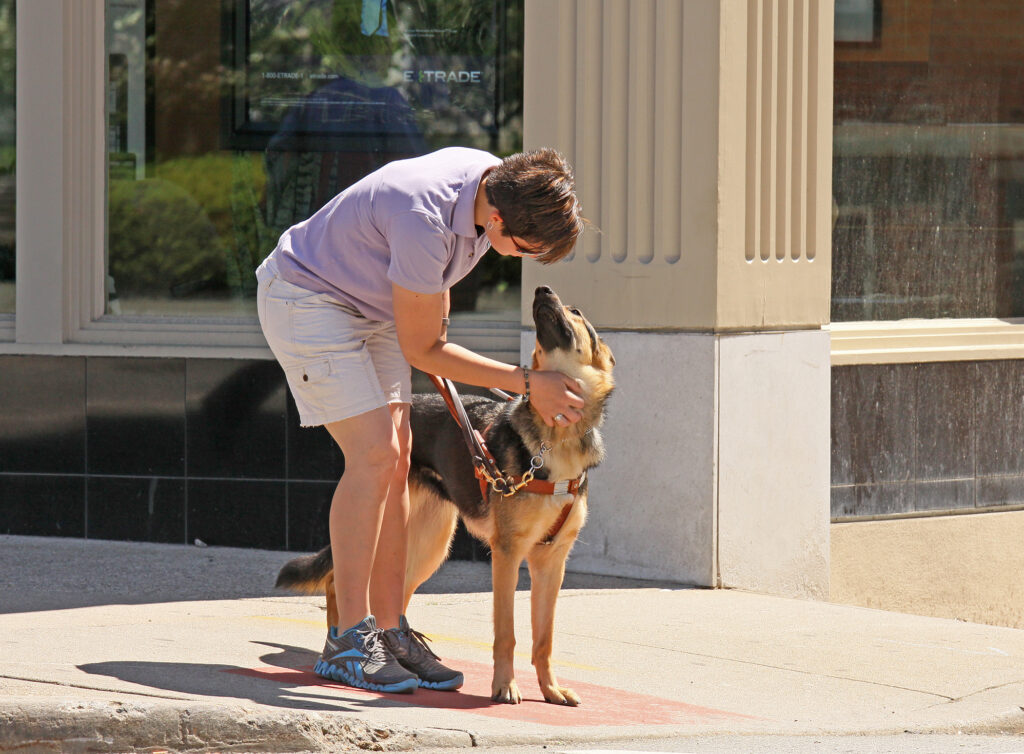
(60, 261)
(926, 340)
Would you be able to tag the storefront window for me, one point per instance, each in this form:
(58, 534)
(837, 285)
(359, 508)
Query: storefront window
(7, 70)
(229, 121)
(928, 171)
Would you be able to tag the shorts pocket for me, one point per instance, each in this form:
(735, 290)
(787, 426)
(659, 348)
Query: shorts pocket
(280, 288)
(335, 387)
(310, 374)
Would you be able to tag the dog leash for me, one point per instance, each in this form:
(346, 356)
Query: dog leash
(485, 467)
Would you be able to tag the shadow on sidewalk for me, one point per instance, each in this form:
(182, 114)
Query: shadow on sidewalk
(284, 680)
(46, 573)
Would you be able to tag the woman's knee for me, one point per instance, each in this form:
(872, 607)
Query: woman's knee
(374, 447)
(380, 459)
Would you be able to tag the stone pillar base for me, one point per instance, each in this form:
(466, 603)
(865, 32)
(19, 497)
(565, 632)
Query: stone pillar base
(717, 472)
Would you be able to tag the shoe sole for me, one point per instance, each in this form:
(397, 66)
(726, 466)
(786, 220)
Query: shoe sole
(451, 685)
(334, 673)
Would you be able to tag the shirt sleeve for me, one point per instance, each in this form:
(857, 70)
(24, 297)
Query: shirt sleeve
(420, 252)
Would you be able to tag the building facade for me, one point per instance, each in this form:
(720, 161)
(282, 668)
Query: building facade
(804, 255)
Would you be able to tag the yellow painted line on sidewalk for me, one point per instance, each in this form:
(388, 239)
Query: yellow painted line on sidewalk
(487, 645)
(461, 640)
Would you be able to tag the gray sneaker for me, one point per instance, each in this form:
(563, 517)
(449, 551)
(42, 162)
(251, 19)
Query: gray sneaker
(359, 657)
(410, 649)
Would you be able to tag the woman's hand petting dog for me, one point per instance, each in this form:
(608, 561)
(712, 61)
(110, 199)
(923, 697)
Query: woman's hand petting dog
(556, 397)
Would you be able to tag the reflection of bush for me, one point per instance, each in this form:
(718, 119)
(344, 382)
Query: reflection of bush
(161, 240)
(209, 180)
(196, 227)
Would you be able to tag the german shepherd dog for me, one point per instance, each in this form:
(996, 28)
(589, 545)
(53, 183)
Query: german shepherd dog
(538, 527)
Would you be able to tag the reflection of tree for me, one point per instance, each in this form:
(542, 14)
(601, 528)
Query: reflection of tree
(7, 70)
(487, 33)
(327, 37)
(266, 15)
(184, 77)
(7, 62)
(318, 36)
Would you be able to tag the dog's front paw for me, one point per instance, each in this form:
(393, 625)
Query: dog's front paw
(560, 695)
(506, 693)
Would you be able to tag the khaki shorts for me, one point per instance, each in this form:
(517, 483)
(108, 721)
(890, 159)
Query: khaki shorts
(338, 363)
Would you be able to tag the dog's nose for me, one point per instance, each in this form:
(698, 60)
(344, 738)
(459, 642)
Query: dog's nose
(543, 290)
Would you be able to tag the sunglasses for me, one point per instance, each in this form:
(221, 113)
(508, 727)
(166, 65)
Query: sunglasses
(527, 252)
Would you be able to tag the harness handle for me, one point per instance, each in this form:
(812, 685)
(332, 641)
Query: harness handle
(484, 464)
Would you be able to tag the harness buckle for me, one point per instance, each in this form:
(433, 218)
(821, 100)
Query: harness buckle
(499, 484)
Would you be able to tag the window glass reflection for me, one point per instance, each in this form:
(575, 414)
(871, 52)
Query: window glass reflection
(230, 121)
(928, 171)
(7, 129)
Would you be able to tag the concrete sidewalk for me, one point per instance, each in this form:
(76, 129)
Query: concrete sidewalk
(112, 646)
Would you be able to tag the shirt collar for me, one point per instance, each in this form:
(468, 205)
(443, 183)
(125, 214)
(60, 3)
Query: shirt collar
(463, 220)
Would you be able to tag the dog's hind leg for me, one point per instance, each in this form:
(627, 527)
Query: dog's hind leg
(332, 600)
(431, 528)
(547, 569)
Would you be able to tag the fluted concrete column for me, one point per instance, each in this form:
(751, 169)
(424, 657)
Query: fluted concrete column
(701, 135)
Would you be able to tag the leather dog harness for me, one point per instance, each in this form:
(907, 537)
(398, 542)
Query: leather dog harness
(485, 467)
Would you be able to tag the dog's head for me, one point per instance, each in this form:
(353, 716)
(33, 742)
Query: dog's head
(568, 343)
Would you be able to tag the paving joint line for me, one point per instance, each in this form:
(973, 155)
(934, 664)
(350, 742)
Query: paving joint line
(68, 684)
(990, 688)
(777, 667)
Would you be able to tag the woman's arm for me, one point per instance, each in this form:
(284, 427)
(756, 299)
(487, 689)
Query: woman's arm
(421, 336)
(446, 309)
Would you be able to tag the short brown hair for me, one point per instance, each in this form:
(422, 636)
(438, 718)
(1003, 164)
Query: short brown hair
(535, 194)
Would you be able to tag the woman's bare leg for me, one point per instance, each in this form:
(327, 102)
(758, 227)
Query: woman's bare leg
(372, 452)
(387, 578)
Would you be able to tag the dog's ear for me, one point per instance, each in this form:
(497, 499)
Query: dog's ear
(595, 341)
(605, 358)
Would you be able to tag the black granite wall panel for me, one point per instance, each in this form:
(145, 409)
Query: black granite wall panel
(137, 509)
(42, 414)
(164, 450)
(235, 414)
(136, 416)
(309, 507)
(238, 513)
(312, 454)
(914, 438)
(43, 506)
(946, 419)
(1000, 408)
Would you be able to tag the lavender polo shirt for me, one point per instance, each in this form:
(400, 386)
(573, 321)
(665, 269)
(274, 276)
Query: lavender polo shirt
(409, 223)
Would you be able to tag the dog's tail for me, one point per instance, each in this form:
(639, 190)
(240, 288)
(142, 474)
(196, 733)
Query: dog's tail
(306, 574)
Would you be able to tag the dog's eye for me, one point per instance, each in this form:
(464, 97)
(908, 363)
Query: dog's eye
(575, 311)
